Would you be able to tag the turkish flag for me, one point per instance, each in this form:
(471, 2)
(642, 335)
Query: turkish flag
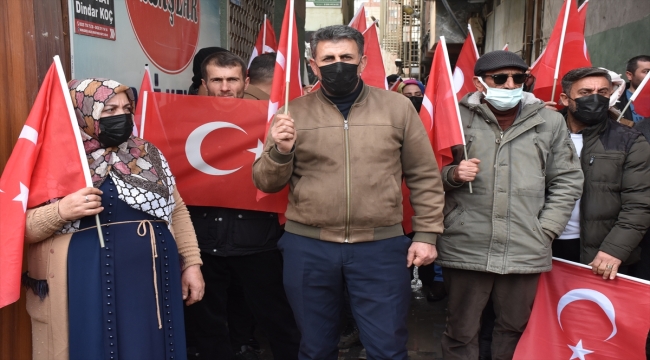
(43, 165)
(359, 20)
(265, 42)
(145, 90)
(464, 71)
(211, 143)
(578, 315)
(641, 98)
(288, 48)
(286, 73)
(573, 53)
(374, 73)
(439, 113)
(440, 116)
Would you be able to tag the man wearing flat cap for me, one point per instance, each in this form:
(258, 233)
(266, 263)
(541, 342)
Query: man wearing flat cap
(525, 176)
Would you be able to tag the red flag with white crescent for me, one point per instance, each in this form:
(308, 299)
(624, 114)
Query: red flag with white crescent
(211, 144)
(440, 116)
(265, 42)
(43, 165)
(578, 315)
(287, 70)
(464, 71)
(439, 113)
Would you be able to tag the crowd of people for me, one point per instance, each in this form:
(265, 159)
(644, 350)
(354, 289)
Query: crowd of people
(571, 183)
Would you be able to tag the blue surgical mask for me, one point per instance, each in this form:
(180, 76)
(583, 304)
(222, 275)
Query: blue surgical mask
(502, 99)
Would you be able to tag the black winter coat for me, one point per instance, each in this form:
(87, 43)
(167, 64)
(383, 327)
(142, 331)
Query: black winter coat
(615, 206)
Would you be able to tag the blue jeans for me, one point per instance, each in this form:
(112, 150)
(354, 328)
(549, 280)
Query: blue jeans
(377, 279)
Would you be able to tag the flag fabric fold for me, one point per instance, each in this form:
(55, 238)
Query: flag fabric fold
(287, 70)
(440, 116)
(287, 58)
(374, 73)
(464, 71)
(439, 113)
(265, 42)
(359, 20)
(572, 53)
(578, 315)
(43, 165)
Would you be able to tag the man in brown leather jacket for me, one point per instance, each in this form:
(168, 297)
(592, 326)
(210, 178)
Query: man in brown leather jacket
(344, 151)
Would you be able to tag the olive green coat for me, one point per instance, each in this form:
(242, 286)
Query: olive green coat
(528, 182)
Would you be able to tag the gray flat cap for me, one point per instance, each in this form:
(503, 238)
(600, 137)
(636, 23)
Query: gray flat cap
(498, 59)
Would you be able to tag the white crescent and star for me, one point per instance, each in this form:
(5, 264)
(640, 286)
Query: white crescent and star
(596, 297)
(590, 295)
(578, 351)
(23, 196)
(195, 139)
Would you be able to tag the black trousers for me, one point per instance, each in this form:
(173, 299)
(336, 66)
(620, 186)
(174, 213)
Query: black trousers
(260, 278)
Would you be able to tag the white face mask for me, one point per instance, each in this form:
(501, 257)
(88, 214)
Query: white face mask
(502, 99)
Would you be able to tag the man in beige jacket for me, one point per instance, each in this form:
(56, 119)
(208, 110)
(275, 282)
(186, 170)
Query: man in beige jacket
(344, 151)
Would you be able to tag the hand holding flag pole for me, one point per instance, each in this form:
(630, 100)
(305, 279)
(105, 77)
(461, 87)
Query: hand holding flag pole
(75, 128)
(633, 97)
(287, 71)
(453, 94)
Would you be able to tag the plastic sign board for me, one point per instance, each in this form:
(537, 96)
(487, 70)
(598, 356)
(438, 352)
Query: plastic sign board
(94, 18)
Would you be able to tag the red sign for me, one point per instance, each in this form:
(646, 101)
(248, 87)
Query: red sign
(167, 30)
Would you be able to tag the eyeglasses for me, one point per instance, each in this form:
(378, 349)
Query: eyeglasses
(501, 79)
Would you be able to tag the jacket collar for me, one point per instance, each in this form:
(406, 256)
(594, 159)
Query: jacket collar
(253, 92)
(362, 97)
(530, 105)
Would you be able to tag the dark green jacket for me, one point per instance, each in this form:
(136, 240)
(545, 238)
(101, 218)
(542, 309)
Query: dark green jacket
(615, 205)
(523, 195)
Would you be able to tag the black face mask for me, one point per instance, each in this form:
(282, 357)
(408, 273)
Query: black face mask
(339, 78)
(417, 102)
(116, 129)
(591, 110)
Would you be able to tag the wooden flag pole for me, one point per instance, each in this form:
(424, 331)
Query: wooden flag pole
(77, 133)
(559, 52)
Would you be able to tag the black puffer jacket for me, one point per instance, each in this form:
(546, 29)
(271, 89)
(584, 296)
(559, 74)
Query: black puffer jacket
(615, 206)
